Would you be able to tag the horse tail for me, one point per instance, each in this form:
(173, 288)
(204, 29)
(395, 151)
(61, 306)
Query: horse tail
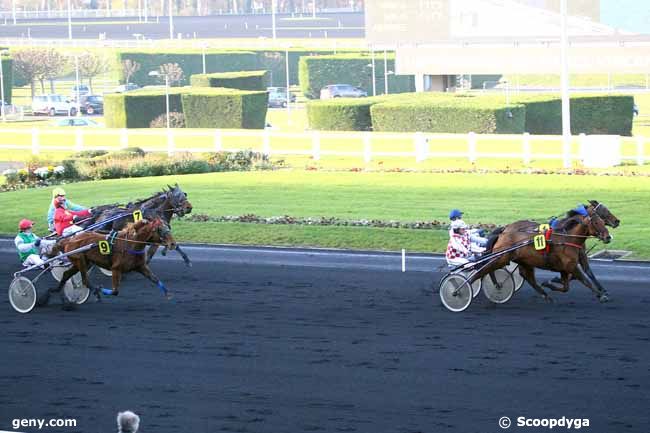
(492, 239)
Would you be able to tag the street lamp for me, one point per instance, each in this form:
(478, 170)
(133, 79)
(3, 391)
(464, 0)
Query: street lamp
(273, 7)
(374, 79)
(286, 60)
(158, 74)
(171, 19)
(507, 89)
(2, 86)
(69, 20)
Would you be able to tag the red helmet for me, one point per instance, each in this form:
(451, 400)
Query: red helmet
(25, 224)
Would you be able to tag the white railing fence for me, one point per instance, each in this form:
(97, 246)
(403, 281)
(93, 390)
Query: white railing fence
(593, 151)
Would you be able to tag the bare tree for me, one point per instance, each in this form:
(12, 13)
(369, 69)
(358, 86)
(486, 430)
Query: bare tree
(52, 65)
(173, 71)
(129, 67)
(91, 65)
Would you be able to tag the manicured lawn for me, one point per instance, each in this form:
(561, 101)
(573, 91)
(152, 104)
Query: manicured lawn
(491, 198)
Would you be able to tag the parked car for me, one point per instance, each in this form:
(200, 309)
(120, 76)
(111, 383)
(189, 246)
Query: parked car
(77, 121)
(53, 105)
(83, 91)
(277, 99)
(7, 107)
(282, 90)
(342, 91)
(122, 88)
(92, 104)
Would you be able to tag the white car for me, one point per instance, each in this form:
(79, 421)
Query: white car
(53, 105)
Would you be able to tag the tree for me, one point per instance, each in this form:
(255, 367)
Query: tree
(26, 64)
(52, 65)
(91, 65)
(129, 67)
(173, 71)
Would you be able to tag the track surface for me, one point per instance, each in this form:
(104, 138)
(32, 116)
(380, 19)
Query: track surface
(343, 25)
(264, 341)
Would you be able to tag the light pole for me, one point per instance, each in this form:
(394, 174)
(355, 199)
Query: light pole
(286, 60)
(314, 9)
(13, 10)
(203, 56)
(171, 19)
(158, 74)
(385, 72)
(69, 20)
(566, 107)
(273, 6)
(374, 79)
(2, 86)
(146, 11)
(76, 67)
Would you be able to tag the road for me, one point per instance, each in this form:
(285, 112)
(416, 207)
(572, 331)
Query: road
(272, 340)
(343, 25)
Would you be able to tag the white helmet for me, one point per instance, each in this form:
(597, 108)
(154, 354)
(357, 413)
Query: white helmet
(458, 224)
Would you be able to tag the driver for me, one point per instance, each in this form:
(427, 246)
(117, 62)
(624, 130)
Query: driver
(461, 248)
(64, 220)
(60, 194)
(30, 247)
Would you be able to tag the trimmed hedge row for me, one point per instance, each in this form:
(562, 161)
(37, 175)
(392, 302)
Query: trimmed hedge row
(242, 80)
(319, 71)
(190, 61)
(453, 114)
(446, 112)
(201, 107)
(590, 114)
(7, 75)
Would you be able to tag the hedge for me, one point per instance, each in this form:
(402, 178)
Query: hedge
(341, 114)
(7, 77)
(190, 61)
(138, 108)
(202, 108)
(449, 113)
(243, 80)
(590, 114)
(225, 108)
(319, 71)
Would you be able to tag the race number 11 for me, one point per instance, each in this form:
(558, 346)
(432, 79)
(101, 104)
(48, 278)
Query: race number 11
(540, 242)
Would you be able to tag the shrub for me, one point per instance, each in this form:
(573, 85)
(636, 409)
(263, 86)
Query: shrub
(318, 71)
(341, 114)
(243, 80)
(139, 108)
(176, 120)
(89, 153)
(225, 108)
(448, 113)
(7, 70)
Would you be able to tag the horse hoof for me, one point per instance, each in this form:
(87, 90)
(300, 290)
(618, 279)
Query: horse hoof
(603, 299)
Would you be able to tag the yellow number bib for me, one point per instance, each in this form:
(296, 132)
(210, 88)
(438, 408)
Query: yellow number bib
(104, 248)
(540, 242)
(137, 215)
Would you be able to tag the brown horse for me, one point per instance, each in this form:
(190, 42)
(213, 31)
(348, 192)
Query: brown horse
(566, 244)
(127, 254)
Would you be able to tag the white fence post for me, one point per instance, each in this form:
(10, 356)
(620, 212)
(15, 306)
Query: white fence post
(566, 151)
(315, 145)
(640, 155)
(124, 138)
(79, 140)
(35, 141)
(471, 147)
(526, 149)
(367, 147)
(218, 140)
(266, 143)
(170, 142)
(418, 142)
(582, 144)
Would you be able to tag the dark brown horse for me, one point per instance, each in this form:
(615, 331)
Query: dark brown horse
(566, 244)
(127, 254)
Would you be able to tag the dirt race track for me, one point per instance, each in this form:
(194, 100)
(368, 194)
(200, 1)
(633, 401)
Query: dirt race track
(266, 341)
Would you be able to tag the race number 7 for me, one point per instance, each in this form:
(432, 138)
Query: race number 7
(137, 215)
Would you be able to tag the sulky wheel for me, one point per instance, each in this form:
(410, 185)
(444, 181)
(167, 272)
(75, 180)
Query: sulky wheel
(502, 291)
(22, 295)
(455, 292)
(513, 268)
(476, 285)
(75, 290)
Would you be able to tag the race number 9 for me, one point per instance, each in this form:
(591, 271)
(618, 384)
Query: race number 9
(540, 242)
(104, 248)
(544, 227)
(137, 215)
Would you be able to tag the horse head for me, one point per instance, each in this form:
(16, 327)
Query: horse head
(603, 212)
(178, 200)
(596, 226)
(161, 233)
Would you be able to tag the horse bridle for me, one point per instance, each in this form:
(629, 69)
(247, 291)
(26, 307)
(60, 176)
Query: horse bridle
(588, 221)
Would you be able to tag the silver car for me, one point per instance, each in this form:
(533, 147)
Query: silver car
(342, 91)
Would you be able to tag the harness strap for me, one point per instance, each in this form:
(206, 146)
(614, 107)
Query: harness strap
(571, 244)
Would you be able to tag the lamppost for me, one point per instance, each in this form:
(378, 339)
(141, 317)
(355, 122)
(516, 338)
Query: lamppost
(203, 55)
(69, 20)
(273, 7)
(2, 86)
(158, 74)
(286, 60)
(171, 19)
(374, 79)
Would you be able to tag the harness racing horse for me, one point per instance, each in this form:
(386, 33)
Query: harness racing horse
(166, 204)
(127, 254)
(565, 245)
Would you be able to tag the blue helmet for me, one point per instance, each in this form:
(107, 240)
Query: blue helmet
(581, 210)
(454, 214)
